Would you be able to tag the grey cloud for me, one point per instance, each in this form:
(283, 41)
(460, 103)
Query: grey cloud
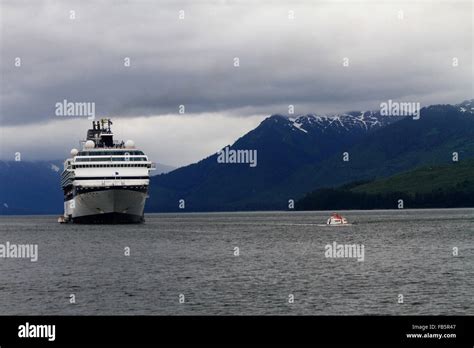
(190, 61)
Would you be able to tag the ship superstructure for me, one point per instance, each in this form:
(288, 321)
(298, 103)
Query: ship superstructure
(107, 181)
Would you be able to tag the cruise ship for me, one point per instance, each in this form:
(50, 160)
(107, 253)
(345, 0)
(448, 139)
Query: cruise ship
(107, 181)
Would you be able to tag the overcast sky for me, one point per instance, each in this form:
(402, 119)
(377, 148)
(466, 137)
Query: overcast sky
(289, 53)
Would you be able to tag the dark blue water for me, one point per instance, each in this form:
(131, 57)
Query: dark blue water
(406, 252)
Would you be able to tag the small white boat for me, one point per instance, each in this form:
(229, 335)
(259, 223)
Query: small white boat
(337, 219)
(62, 220)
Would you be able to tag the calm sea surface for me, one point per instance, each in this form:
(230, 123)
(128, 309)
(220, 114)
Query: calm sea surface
(280, 253)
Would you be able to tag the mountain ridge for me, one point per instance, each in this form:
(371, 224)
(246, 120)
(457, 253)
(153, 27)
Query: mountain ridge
(296, 155)
(294, 160)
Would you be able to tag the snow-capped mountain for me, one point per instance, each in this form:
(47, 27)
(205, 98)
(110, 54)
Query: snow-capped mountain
(363, 121)
(352, 121)
(466, 106)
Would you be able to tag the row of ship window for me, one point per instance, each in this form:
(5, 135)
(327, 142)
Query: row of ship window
(108, 153)
(134, 165)
(108, 159)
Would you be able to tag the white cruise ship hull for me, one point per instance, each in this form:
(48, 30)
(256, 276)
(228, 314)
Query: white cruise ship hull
(110, 205)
